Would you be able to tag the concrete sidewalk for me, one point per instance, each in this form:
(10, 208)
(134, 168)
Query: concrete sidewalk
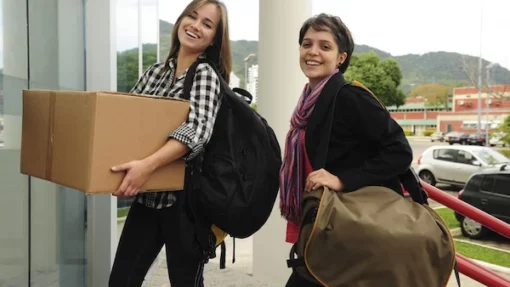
(239, 273)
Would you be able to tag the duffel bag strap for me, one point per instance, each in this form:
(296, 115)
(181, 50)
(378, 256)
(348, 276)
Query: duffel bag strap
(293, 260)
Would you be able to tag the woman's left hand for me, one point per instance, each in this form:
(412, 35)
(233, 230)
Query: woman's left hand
(137, 173)
(321, 178)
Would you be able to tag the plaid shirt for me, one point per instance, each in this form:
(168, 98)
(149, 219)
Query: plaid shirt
(196, 131)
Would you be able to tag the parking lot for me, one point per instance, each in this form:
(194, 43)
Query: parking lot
(419, 145)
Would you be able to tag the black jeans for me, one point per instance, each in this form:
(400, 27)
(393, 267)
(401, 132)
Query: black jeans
(145, 232)
(297, 281)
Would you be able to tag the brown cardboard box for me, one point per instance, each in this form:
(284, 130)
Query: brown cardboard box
(73, 138)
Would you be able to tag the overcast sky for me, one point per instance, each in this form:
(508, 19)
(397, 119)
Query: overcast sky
(395, 26)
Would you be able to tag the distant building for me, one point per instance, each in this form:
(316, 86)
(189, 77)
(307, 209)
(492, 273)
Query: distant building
(461, 114)
(464, 116)
(253, 81)
(235, 82)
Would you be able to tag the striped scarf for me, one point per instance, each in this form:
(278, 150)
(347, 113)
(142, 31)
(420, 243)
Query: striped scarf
(291, 173)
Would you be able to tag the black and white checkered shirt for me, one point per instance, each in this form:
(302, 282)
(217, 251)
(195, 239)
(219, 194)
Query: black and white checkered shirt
(204, 105)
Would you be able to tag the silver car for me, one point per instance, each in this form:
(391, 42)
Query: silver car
(454, 165)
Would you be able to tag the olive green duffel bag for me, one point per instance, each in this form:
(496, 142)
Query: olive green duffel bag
(371, 237)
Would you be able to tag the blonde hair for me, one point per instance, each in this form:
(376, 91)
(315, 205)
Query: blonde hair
(220, 52)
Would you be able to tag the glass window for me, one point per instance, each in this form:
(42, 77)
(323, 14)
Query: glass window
(444, 154)
(502, 185)
(14, 205)
(149, 32)
(127, 44)
(488, 183)
(57, 214)
(465, 157)
(474, 183)
(491, 156)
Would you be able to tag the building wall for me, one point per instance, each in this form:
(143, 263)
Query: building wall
(496, 97)
(468, 121)
(414, 115)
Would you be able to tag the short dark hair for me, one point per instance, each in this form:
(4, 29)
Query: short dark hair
(335, 25)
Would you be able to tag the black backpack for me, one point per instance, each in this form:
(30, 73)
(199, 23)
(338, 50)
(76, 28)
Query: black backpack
(234, 182)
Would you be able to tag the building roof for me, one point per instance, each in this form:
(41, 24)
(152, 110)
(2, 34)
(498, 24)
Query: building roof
(474, 90)
(428, 122)
(415, 106)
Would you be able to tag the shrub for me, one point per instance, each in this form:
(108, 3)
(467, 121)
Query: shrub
(428, 133)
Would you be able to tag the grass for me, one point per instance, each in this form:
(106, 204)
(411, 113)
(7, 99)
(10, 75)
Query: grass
(505, 152)
(122, 212)
(483, 254)
(470, 250)
(449, 217)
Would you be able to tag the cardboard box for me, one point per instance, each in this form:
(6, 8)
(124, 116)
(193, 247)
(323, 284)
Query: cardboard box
(73, 138)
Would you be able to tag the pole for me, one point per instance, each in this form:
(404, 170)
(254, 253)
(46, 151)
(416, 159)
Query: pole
(487, 96)
(158, 47)
(485, 219)
(140, 45)
(479, 273)
(480, 76)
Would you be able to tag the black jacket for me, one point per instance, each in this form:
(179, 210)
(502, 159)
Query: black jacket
(366, 146)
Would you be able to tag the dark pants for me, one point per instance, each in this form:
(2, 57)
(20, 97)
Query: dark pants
(145, 232)
(297, 281)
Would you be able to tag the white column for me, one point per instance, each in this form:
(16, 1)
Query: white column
(101, 65)
(280, 84)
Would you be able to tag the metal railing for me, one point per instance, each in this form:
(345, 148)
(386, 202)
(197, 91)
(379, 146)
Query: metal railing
(467, 266)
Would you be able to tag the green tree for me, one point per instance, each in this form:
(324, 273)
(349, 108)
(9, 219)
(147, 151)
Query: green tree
(127, 65)
(436, 94)
(382, 77)
(505, 128)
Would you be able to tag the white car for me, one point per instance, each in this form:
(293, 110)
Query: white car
(455, 164)
(496, 139)
(437, 136)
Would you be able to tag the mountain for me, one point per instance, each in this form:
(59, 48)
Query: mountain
(165, 34)
(435, 67)
(447, 68)
(361, 49)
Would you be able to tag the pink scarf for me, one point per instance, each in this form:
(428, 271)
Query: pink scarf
(292, 171)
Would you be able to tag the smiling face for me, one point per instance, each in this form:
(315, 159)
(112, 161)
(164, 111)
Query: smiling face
(198, 29)
(319, 55)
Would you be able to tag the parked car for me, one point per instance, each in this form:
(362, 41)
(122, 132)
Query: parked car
(477, 139)
(437, 136)
(488, 191)
(495, 139)
(455, 164)
(459, 138)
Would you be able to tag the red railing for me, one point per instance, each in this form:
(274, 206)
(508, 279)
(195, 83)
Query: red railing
(467, 266)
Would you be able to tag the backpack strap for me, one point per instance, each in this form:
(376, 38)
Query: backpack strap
(322, 154)
(190, 76)
(205, 235)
